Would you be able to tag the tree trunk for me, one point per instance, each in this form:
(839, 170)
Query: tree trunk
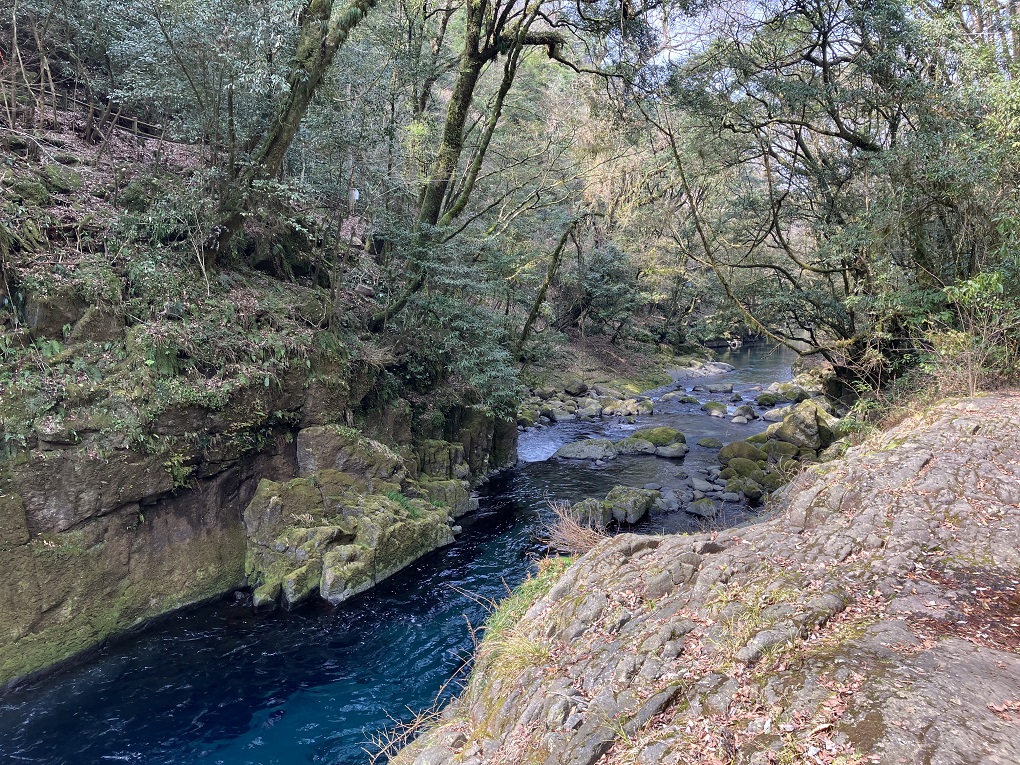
(323, 30)
(554, 264)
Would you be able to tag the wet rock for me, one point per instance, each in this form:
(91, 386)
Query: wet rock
(634, 446)
(710, 443)
(588, 449)
(715, 408)
(741, 449)
(592, 512)
(739, 420)
(720, 388)
(679, 397)
(746, 411)
(673, 451)
(629, 505)
(703, 508)
(661, 436)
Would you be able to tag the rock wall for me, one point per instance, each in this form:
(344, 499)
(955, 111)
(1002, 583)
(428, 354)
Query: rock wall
(99, 534)
(874, 619)
(97, 547)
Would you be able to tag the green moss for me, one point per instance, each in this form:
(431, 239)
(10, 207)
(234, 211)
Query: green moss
(661, 436)
(512, 609)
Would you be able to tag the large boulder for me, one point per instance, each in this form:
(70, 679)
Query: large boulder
(588, 449)
(672, 451)
(328, 533)
(807, 426)
(592, 512)
(741, 449)
(629, 505)
(576, 387)
(704, 508)
(634, 446)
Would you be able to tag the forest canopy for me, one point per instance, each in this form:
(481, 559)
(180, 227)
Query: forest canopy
(841, 175)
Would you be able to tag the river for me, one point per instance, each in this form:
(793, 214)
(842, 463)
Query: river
(221, 685)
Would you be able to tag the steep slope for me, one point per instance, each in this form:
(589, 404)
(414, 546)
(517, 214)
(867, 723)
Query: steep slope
(874, 618)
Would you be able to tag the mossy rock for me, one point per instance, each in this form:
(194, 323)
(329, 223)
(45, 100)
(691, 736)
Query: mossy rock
(749, 488)
(776, 449)
(634, 446)
(592, 512)
(31, 192)
(745, 468)
(767, 400)
(661, 436)
(741, 449)
(757, 439)
(61, 179)
(715, 408)
(13, 521)
(588, 449)
(710, 442)
(630, 505)
(301, 584)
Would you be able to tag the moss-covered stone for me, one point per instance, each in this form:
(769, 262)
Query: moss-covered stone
(715, 408)
(741, 449)
(746, 468)
(13, 522)
(333, 532)
(629, 505)
(634, 445)
(661, 436)
(776, 449)
(61, 179)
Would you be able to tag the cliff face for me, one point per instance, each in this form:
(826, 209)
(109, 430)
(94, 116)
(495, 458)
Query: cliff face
(874, 618)
(99, 533)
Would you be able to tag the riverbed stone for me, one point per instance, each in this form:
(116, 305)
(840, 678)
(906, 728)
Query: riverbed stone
(715, 408)
(710, 442)
(588, 449)
(741, 449)
(720, 388)
(661, 436)
(703, 508)
(673, 451)
(634, 445)
(629, 505)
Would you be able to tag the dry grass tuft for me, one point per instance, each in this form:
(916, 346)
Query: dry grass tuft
(566, 534)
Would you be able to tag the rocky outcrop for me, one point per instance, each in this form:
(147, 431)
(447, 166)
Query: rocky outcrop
(96, 547)
(353, 518)
(874, 618)
(99, 534)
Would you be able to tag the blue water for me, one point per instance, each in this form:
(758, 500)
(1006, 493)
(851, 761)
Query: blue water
(221, 684)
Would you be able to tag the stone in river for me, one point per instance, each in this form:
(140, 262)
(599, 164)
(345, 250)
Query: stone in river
(588, 449)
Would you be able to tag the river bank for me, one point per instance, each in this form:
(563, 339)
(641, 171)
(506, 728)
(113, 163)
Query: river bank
(874, 619)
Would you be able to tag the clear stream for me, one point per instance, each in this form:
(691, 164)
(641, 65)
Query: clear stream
(223, 685)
